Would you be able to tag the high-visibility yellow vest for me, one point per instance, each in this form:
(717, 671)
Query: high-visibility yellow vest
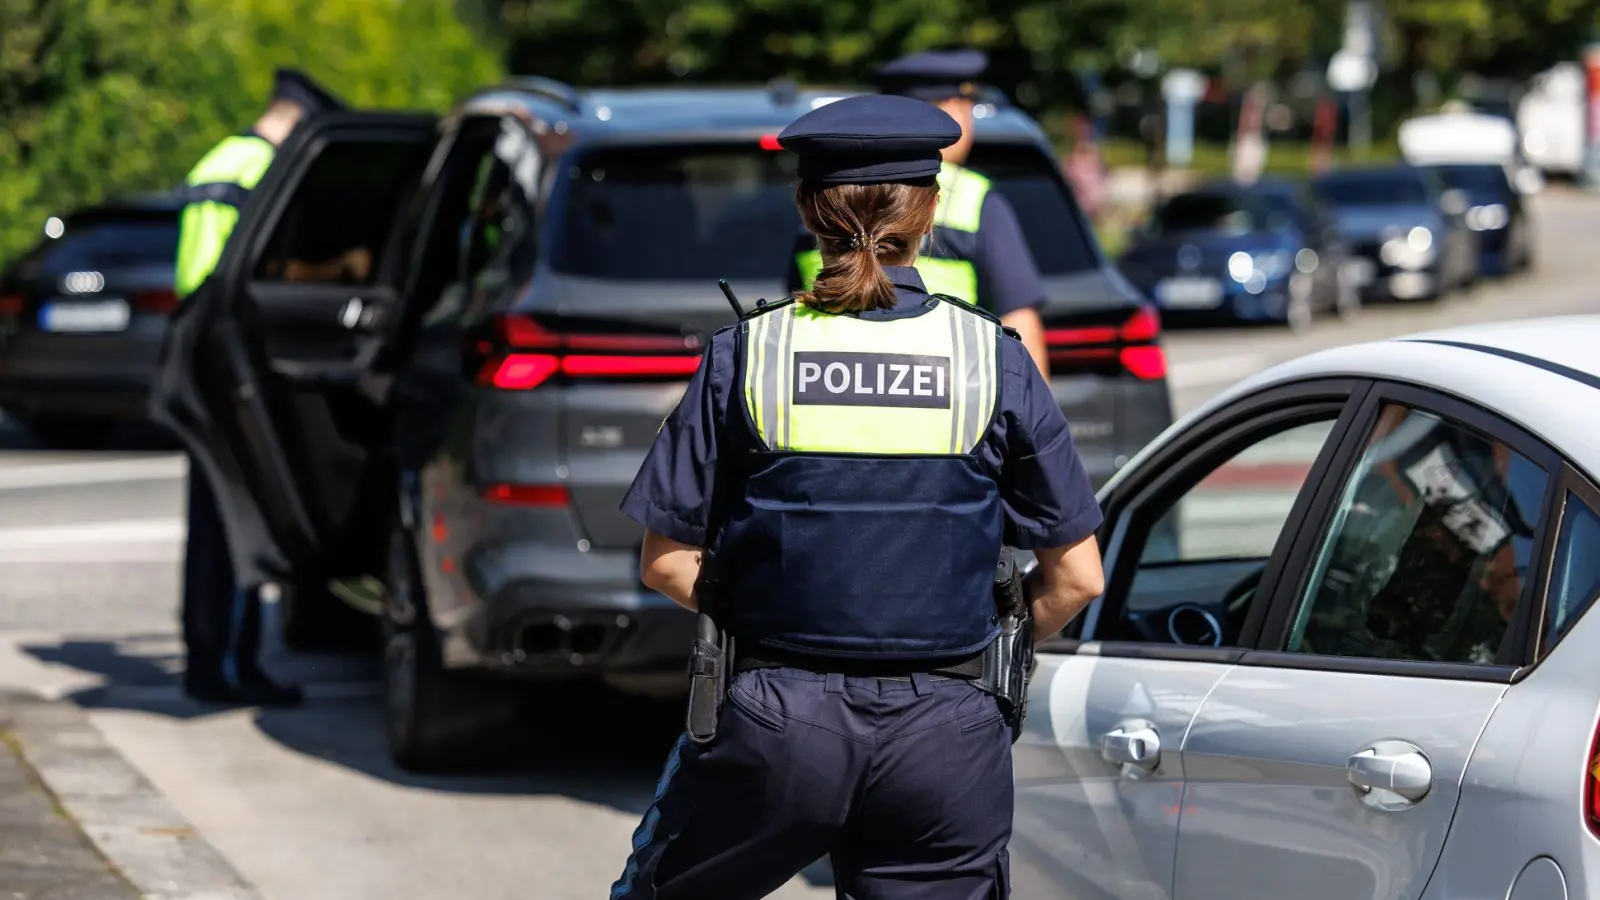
(946, 267)
(866, 525)
(215, 189)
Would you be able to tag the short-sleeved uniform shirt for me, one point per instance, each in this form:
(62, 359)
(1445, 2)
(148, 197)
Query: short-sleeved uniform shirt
(1008, 278)
(1048, 499)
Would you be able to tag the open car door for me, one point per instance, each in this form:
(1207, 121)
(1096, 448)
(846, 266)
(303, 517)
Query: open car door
(268, 374)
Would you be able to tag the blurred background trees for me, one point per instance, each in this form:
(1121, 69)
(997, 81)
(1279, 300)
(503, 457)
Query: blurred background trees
(99, 97)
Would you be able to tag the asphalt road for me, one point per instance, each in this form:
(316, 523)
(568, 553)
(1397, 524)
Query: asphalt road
(305, 803)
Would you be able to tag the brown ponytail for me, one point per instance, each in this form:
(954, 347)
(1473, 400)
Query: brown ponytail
(860, 228)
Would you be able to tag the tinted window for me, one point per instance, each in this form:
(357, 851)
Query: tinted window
(1575, 574)
(1429, 550)
(346, 203)
(1375, 189)
(1204, 212)
(679, 212)
(1029, 180)
(1474, 179)
(102, 240)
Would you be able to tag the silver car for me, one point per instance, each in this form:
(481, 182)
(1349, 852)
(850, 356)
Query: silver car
(1359, 672)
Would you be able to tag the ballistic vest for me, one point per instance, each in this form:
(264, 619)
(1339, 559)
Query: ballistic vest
(864, 525)
(213, 193)
(946, 267)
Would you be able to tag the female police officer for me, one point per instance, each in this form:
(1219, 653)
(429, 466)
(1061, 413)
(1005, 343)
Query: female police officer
(856, 459)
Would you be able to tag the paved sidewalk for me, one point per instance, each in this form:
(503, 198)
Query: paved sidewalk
(43, 855)
(79, 822)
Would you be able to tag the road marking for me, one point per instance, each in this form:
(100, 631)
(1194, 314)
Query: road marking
(1223, 370)
(22, 478)
(131, 531)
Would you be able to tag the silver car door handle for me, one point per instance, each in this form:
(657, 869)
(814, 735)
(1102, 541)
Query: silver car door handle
(1132, 743)
(1394, 766)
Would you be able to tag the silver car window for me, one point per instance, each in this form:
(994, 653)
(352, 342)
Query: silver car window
(1429, 550)
(1575, 572)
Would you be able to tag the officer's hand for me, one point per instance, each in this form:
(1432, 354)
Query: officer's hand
(357, 263)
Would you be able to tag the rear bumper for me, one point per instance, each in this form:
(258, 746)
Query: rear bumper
(550, 613)
(78, 376)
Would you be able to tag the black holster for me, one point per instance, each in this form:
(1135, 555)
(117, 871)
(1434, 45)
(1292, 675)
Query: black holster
(711, 661)
(1008, 661)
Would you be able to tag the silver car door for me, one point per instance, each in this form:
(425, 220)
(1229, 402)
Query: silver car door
(1100, 769)
(1330, 766)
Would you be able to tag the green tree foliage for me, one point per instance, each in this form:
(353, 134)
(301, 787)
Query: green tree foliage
(106, 97)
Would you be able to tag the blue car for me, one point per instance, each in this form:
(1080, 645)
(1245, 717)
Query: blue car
(1410, 230)
(1494, 210)
(1260, 252)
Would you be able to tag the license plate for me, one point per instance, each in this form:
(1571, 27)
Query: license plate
(1189, 292)
(84, 316)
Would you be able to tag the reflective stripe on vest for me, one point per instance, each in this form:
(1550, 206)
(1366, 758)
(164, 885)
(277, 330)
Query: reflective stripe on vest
(946, 266)
(225, 192)
(821, 383)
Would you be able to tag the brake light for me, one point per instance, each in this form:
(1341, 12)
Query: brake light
(580, 356)
(155, 301)
(10, 304)
(770, 142)
(528, 494)
(1132, 347)
(1591, 787)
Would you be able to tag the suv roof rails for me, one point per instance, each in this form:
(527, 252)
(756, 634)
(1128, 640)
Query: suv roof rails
(549, 88)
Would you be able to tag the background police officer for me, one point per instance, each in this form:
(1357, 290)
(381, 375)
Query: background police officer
(855, 460)
(221, 623)
(976, 250)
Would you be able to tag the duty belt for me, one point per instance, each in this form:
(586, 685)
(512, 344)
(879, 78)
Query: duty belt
(967, 668)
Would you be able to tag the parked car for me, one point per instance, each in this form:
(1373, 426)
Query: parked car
(83, 314)
(1550, 117)
(1368, 669)
(1477, 156)
(1246, 252)
(1411, 231)
(446, 445)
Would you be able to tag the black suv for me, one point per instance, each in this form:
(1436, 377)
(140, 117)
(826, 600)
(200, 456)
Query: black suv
(446, 444)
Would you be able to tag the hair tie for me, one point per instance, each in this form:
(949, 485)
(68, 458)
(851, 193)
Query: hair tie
(857, 241)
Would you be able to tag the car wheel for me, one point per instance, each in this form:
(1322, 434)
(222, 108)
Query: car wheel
(435, 719)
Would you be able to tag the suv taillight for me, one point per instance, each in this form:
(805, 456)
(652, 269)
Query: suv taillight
(1591, 787)
(1132, 347)
(11, 304)
(526, 354)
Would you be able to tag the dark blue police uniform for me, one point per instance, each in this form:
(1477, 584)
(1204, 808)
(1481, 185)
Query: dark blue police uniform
(1005, 277)
(848, 744)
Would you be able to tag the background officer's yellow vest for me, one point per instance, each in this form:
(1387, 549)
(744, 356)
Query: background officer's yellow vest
(946, 268)
(216, 189)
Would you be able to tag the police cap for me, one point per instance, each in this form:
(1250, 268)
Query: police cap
(870, 139)
(933, 75)
(298, 87)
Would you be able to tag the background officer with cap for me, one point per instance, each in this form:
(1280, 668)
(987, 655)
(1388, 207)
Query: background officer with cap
(221, 623)
(976, 251)
(837, 483)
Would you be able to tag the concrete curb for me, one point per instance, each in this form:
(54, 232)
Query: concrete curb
(126, 818)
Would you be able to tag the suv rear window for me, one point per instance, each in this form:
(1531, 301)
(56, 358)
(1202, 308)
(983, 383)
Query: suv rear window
(708, 211)
(697, 212)
(1030, 181)
(97, 240)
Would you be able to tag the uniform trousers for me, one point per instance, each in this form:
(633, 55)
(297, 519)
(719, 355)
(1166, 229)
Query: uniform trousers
(906, 783)
(221, 622)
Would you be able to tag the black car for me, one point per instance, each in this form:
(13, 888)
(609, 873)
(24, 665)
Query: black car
(83, 315)
(1406, 227)
(445, 446)
(1264, 251)
(1494, 209)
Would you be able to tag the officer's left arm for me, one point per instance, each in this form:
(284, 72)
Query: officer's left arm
(1049, 501)
(671, 495)
(1008, 278)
